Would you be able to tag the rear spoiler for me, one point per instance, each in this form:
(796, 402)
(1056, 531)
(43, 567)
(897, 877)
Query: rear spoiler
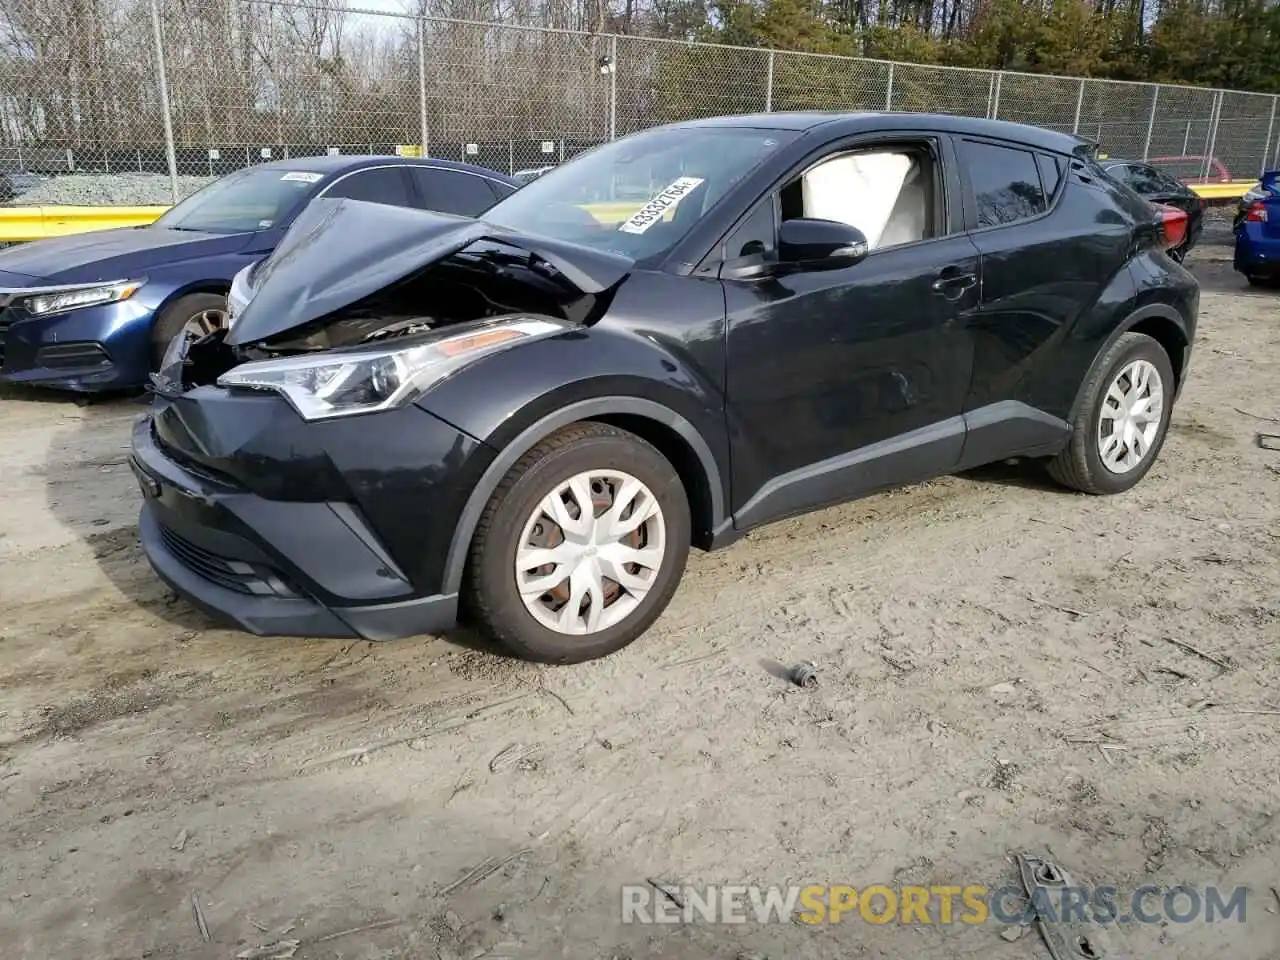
(1085, 148)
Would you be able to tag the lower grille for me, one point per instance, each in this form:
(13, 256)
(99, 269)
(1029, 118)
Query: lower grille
(238, 575)
(4, 333)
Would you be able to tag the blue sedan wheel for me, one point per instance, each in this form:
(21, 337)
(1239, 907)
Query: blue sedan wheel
(197, 313)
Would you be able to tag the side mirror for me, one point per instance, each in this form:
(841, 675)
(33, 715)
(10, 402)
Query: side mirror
(820, 245)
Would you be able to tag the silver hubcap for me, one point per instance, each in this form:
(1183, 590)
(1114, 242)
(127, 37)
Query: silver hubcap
(1130, 420)
(205, 322)
(590, 552)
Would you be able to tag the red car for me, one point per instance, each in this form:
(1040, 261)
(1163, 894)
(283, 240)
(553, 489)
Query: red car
(1192, 169)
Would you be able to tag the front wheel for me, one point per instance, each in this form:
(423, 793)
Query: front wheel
(581, 547)
(197, 313)
(1120, 426)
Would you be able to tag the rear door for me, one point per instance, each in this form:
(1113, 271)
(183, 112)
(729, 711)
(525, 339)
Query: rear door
(1044, 262)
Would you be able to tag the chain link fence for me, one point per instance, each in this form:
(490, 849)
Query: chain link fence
(142, 101)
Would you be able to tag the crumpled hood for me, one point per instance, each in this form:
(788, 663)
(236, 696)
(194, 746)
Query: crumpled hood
(124, 253)
(340, 251)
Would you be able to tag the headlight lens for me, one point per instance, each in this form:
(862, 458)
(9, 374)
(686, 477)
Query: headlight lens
(59, 301)
(342, 383)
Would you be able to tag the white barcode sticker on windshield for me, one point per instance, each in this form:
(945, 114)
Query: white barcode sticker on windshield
(655, 209)
(306, 176)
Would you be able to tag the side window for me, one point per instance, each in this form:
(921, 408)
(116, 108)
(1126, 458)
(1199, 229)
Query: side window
(500, 190)
(888, 194)
(1145, 180)
(453, 191)
(379, 185)
(758, 234)
(1050, 175)
(1006, 182)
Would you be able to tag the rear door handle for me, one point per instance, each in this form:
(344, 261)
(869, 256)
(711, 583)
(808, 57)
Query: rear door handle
(952, 282)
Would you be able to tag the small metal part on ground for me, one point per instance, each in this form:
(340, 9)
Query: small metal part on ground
(804, 674)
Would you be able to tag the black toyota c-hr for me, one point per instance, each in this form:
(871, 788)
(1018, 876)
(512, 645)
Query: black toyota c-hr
(666, 342)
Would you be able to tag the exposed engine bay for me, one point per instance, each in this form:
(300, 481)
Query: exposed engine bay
(488, 278)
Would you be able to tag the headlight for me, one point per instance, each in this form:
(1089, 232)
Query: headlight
(341, 383)
(72, 298)
(238, 296)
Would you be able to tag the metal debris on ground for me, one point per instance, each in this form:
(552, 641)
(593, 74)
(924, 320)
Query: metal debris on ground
(181, 840)
(280, 950)
(804, 674)
(198, 912)
(667, 891)
(1045, 883)
(1012, 933)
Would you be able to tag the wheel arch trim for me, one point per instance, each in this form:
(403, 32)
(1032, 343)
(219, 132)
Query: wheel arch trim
(1152, 311)
(531, 435)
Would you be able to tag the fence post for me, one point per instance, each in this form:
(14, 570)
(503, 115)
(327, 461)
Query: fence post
(1186, 140)
(1075, 127)
(1151, 123)
(613, 87)
(1215, 116)
(888, 93)
(170, 153)
(768, 86)
(422, 91)
(991, 89)
(995, 103)
(1267, 149)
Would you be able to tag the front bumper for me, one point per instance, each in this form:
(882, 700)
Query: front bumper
(106, 347)
(275, 567)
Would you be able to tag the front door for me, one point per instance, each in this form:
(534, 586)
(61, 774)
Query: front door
(846, 381)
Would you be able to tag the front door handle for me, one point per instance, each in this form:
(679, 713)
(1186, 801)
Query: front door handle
(952, 282)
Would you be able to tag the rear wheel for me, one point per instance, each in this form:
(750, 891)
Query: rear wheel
(581, 547)
(1120, 427)
(200, 313)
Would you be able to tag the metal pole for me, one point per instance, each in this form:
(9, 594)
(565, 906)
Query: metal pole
(170, 154)
(422, 90)
(995, 105)
(768, 86)
(1151, 123)
(991, 89)
(511, 157)
(1213, 133)
(888, 94)
(1075, 127)
(613, 87)
(1186, 140)
(1267, 149)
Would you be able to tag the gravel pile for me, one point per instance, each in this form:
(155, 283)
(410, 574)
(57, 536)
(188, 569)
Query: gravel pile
(108, 190)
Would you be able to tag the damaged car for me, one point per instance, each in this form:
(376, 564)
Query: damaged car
(663, 344)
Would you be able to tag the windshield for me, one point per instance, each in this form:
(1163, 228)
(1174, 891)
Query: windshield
(253, 199)
(640, 195)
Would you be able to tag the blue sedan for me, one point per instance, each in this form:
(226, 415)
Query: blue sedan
(95, 311)
(1257, 232)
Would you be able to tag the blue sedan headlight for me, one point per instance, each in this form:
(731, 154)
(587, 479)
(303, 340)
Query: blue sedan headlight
(62, 299)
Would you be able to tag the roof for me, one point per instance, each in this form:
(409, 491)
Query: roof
(345, 162)
(852, 123)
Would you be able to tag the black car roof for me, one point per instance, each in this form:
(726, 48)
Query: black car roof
(344, 163)
(840, 124)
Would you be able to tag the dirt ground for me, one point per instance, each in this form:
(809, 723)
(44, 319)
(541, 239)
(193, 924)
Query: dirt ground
(976, 637)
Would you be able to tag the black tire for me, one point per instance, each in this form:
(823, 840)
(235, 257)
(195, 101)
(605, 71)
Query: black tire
(1080, 466)
(490, 593)
(175, 316)
(1256, 281)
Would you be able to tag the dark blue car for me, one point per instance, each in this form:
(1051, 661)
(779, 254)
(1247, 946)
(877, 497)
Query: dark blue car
(1257, 231)
(95, 311)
